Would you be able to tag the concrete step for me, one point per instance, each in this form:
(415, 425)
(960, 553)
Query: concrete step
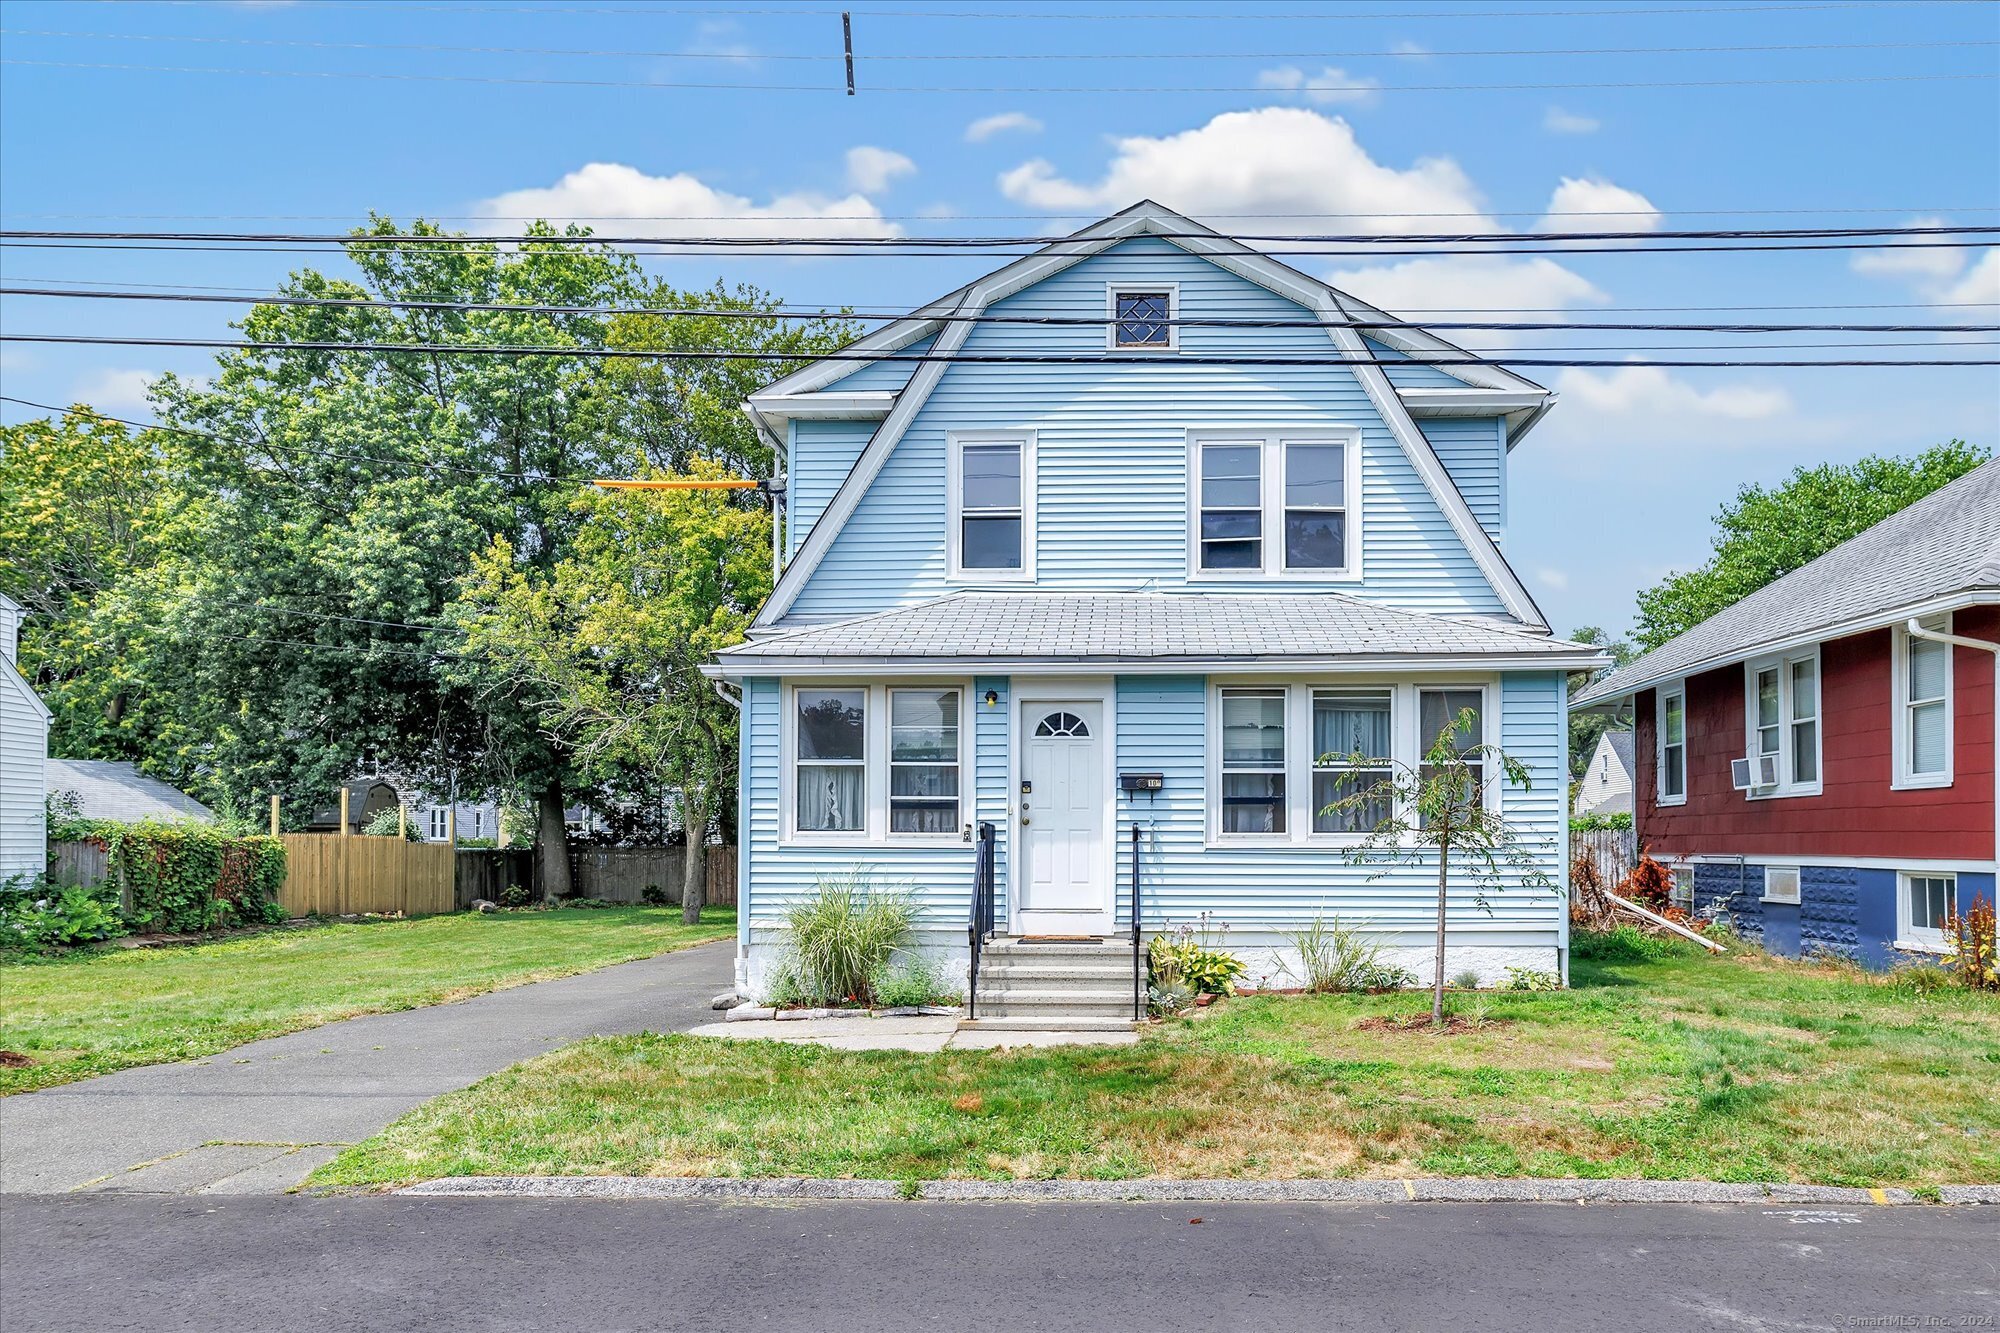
(1053, 972)
(1016, 948)
(998, 1023)
(1005, 1008)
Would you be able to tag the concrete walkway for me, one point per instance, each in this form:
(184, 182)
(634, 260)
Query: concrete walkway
(887, 1032)
(260, 1118)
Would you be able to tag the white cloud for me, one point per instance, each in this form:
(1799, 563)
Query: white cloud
(122, 393)
(683, 205)
(1330, 86)
(979, 131)
(1981, 284)
(1439, 288)
(1589, 204)
(870, 170)
(1558, 121)
(1411, 50)
(1264, 167)
(719, 38)
(1552, 578)
(1649, 391)
(1922, 264)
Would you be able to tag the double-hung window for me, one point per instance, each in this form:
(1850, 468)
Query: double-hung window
(1438, 709)
(440, 824)
(992, 507)
(1922, 721)
(1253, 760)
(1783, 704)
(832, 749)
(1670, 723)
(1276, 505)
(1925, 905)
(1353, 740)
(923, 761)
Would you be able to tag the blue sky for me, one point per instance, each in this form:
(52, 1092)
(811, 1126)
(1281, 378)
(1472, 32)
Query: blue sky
(1278, 110)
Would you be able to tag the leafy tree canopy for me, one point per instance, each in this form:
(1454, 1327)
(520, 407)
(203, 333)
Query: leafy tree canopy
(1765, 533)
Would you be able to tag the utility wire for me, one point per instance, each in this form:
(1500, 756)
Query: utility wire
(1050, 321)
(1907, 211)
(985, 56)
(836, 89)
(953, 358)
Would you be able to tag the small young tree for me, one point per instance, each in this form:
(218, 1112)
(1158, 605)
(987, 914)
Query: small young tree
(1440, 807)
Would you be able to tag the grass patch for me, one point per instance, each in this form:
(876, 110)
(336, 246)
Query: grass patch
(1670, 1068)
(105, 1009)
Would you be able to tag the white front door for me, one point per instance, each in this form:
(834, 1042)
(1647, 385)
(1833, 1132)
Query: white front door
(1064, 888)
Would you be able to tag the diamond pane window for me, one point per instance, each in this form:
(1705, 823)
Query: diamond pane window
(1142, 319)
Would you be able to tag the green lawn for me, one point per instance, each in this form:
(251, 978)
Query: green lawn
(91, 1013)
(1739, 1068)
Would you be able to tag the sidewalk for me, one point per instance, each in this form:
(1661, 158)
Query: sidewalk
(260, 1118)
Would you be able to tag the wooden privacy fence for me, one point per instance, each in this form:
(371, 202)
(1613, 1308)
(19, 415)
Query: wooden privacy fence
(76, 862)
(340, 876)
(1615, 850)
(615, 874)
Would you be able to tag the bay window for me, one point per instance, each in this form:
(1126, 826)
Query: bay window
(1922, 721)
(1253, 761)
(1782, 705)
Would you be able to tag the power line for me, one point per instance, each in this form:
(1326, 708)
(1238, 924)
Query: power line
(1604, 11)
(1043, 90)
(953, 358)
(1051, 321)
(1909, 210)
(260, 292)
(984, 56)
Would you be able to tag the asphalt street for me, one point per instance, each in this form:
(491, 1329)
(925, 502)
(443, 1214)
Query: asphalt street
(109, 1261)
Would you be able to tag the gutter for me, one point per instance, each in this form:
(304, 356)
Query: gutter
(1916, 630)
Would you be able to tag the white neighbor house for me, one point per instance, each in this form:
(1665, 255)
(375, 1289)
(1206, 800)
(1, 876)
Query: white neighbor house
(24, 749)
(1606, 786)
(1108, 552)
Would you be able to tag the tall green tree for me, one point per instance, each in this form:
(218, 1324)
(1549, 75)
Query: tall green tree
(1765, 533)
(615, 633)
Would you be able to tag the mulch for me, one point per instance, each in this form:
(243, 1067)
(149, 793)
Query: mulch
(1421, 1023)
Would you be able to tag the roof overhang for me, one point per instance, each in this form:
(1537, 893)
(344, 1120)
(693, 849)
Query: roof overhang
(734, 664)
(1591, 700)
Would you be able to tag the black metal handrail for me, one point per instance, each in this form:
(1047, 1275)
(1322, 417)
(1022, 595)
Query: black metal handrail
(1138, 954)
(981, 924)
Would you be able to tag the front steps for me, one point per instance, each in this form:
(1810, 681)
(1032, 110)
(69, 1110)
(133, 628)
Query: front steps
(1028, 985)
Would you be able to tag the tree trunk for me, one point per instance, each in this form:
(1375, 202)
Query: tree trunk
(694, 860)
(551, 845)
(1437, 976)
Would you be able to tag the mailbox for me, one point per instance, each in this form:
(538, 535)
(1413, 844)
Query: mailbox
(1138, 782)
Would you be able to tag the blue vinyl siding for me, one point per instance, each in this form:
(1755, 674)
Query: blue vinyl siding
(1474, 451)
(821, 454)
(1409, 373)
(878, 376)
(1112, 452)
(1162, 727)
(1845, 910)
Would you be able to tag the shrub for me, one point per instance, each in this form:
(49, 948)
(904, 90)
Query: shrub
(1387, 976)
(1649, 884)
(36, 915)
(1335, 957)
(1466, 980)
(1974, 951)
(392, 823)
(1180, 960)
(1920, 981)
(913, 982)
(1531, 979)
(188, 877)
(1624, 943)
(1601, 823)
(654, 896)
(513, 896)
(844, 935)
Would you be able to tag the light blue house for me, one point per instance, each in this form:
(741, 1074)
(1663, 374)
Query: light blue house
(1130, 535)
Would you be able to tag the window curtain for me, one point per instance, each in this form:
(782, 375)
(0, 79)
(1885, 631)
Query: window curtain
(832, 797)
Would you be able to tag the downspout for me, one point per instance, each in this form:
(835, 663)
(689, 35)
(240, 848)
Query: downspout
(734, 698)
(1917, 631)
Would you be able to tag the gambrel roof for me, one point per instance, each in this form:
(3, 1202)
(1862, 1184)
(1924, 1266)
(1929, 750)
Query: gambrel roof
(1942, 550)
(1136, 632)
(1350, 324)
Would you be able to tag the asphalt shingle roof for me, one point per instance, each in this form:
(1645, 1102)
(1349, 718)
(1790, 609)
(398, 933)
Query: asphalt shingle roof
(1946, 543)
(1136, 627)
(114, 789)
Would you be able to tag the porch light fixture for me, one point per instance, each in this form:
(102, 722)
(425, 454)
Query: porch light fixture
(992, 698)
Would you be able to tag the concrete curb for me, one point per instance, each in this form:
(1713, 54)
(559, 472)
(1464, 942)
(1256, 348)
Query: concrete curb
(1186, 1191)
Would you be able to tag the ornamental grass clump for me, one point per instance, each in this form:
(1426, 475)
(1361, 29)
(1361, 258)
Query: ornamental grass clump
(844, 935)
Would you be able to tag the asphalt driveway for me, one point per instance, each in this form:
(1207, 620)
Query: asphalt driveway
(260, 1118)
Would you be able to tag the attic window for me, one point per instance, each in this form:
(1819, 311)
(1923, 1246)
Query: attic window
(1142, 318)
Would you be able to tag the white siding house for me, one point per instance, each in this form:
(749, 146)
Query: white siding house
(24, 748)
(1606, 785)
(1109, 551)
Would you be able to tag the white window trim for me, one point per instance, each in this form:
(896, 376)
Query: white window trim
(875, 751)
(955, 506)
(1798, 886)
(1406, 745)
(1112, 291)
(1271, 491)
(1681, 873)
(1672, 690)
(1910, 937)
(1900, 776)
(1782, 663)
